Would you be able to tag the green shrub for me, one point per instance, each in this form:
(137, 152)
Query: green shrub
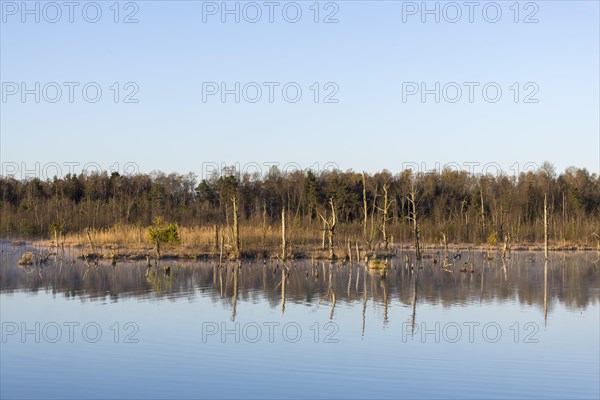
(163, 233)
(56, 228)
(493, 239)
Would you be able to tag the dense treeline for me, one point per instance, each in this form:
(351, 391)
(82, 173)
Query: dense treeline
(466, 208)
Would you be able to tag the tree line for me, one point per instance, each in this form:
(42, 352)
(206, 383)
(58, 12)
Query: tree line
(380, 208)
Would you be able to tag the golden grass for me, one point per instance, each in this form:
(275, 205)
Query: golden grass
(257, 241)
(195, 240)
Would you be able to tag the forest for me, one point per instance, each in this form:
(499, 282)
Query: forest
(327, 210)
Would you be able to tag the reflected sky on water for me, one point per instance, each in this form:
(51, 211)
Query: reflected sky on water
(519, 328)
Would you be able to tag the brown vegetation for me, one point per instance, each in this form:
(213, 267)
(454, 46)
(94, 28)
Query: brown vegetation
(304, 214)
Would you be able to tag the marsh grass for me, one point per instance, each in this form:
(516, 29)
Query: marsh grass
(195, 241)
(257, 241)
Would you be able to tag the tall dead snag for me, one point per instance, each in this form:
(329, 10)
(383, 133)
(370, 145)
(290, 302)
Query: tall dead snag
(372, 237)
(89, 237)
(216, 249)
(464, 216)
(445, 244)
(385, 211)
(283, 235)
(264, 229)
(545, 226)
(228, 225)
(56, 239)
(329, 225)
(349, 252)
(221, 251)
(365, 210)
(413, 217)
(324, 235)
(483, 238)
(236, 227)
(505, 248)
(157, 249)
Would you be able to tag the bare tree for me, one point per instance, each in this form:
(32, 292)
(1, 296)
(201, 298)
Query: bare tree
(413, 217)
(372, 236)
(505, 248)
(236, 227)
(283, 235)
(445, 244)
(329, 224)
(545, 226)
(385, 215)
(365, 211)
(216, 249)
(483, 238)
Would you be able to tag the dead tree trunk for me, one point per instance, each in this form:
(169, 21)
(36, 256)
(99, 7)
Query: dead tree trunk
(349, 252)
(445, 243)
(89, 237)
(365, 210)
(546, 226)
(372, 237)
(264, 228)
(331, 228)
(283, 235)
(505, 248)
(483, 238)
(324, 234)
(236, 227)
(56, 240)
(329, 224)
(228, 230)
(385, 212)
(564, 219)
(157, 249)
(216, 250)
(221, 251)
(415, 221)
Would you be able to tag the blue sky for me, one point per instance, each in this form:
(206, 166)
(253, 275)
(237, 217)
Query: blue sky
(369, 59)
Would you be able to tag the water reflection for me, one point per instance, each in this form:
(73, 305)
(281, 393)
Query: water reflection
(383, 324)
(414, 301)
(570, 278)
(545, 291)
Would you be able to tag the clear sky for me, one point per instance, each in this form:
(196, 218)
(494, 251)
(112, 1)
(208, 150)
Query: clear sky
(375, 61)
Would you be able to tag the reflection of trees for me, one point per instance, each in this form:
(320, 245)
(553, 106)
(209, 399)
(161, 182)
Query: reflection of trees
(572, 279)
(159, 279)
(545, 290)
(414, 301)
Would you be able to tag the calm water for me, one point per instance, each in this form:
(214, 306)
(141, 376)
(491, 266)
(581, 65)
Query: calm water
(518, 330)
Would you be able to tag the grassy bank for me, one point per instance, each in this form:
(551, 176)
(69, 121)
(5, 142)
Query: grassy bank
(130, 241)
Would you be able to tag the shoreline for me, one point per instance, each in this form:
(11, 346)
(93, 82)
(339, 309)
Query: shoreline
(136, 253)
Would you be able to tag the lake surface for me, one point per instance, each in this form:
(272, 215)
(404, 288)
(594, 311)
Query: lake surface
(519, 329)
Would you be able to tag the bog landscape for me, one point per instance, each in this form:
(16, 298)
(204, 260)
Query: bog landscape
(333, 215)
(304, 269)
(309, 200)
